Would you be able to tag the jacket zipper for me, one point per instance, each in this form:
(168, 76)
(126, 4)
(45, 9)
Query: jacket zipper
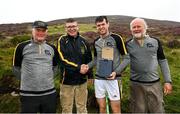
(40, 50)
(84, 45)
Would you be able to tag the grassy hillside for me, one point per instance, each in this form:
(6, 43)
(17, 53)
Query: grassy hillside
(8, 83)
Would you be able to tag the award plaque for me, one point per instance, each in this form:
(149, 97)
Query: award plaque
(105, 68)
(106, 64)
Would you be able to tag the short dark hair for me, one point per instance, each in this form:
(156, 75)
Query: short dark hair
(70, 20)
(101, 18)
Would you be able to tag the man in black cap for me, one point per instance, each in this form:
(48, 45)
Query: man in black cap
(34, 63)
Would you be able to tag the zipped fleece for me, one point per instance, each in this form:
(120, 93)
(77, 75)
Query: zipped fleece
(114, 41)
(74, 52)
(144, 61)
(33, 63)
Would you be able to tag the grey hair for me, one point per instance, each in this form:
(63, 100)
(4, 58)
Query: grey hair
(144, 22)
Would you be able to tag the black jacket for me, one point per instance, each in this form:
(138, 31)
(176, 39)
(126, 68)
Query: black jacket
(74, 52)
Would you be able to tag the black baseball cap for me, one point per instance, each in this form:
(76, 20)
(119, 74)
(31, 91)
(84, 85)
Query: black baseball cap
(39, 24)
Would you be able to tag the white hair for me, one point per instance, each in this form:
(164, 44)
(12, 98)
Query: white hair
(139, 19)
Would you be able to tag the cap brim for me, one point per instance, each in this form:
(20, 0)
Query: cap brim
(40, 27)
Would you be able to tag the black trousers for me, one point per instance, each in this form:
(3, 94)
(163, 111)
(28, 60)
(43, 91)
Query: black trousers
(41, 104)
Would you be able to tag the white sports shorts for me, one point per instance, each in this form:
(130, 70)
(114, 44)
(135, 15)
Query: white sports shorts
(109, 87)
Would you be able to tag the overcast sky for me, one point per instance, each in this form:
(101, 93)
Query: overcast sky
(18, 11)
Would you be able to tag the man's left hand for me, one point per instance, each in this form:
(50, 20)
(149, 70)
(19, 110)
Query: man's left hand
(112, 76)
(167, 88)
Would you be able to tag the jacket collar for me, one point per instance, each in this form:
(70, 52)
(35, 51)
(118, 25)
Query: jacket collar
(32, 40)
(71, 37)
(105, 37)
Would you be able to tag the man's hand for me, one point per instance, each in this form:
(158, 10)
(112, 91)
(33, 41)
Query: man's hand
(84, 69)
(112, 76)
(167, 88)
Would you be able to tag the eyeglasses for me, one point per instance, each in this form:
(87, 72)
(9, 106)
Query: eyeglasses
(73, 26)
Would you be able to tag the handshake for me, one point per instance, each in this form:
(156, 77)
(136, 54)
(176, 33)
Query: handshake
(84, 69)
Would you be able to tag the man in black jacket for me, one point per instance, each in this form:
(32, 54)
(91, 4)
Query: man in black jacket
(74, 51)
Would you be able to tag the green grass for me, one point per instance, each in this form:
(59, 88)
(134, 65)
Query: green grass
(6, 56)
(60, 29)
(86, 27)
(9, 104)
(56, 29)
